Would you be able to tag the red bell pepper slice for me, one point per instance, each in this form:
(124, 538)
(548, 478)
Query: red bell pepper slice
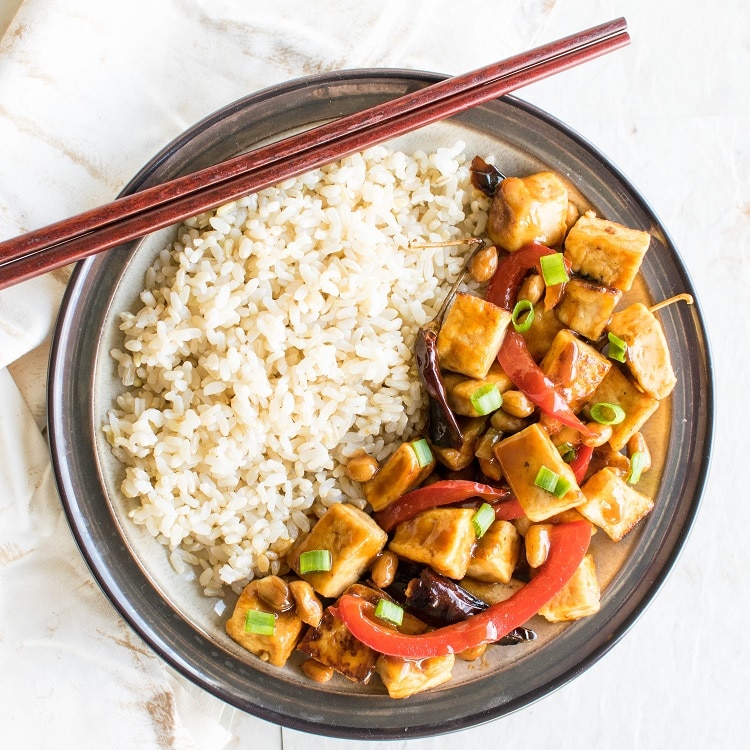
(568, 545)
(448, 492)
(580, 464)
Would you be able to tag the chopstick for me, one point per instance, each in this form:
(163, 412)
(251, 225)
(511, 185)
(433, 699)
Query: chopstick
(133, 216)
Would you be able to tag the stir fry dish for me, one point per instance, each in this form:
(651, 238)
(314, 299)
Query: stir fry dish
(537, 385)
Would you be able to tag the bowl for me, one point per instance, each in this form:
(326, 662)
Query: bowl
(171, 614)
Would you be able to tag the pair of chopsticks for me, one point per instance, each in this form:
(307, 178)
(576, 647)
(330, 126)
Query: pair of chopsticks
(136, 215)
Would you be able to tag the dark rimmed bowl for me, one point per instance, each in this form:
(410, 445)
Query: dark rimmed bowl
(168, 611)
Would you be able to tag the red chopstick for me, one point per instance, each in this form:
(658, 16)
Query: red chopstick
(133, 216)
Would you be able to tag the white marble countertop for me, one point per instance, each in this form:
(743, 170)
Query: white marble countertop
(91, 89)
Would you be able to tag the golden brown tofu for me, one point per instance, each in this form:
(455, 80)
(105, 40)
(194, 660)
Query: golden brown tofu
(460, 389)
(455, 459)
(613, 505)
(403, 677)
(528, 209)
(496, 553)
(542, 333)
(354, 541)
(521, 456)
(605, 251)
(580, 597)
(441, 538)
(400, 473)
(276, 648)
(470, 336)
(492, 593)
(647, 355)
(616, 388)
(575, 367)
(586, 307)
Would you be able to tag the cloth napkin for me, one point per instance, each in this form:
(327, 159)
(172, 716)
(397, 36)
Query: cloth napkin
(89, 91)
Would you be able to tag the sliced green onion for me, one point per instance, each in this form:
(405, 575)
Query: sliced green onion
(551, 482)
(260, 623)
(523, 308)
(553, 269)
(567, 452)
(389, 611)
(482, 519)
(486, 399)
(617, 348)
(636, 467)
(315, 561)
(606, 413)
(422, 450)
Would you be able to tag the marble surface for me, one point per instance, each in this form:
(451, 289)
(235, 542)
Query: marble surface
(91, 89)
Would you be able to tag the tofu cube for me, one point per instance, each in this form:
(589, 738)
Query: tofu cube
(528, 209)
(575, 367)
(580, 597)
(606, 251)
(543, 330)
(455, 459)
(470, 336)
(276, 648)
(521, 456)
(613, 505)
(459, 389)
(400, 473)
(587, 307)
(404, 677)
(492, 593)
(354, 540)
(616, 388)
(441, 538)
(496, 553)
(647, 355)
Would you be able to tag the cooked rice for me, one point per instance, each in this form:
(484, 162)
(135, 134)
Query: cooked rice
(274, 341)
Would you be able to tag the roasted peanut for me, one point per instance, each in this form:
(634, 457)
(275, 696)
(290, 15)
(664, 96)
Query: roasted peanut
(483, 265)
(275, 593)
(517, 404)
(361, 467)
(384, 570)
(316, 671)
(307, 605)
(491, 468)
(637, 444)
(532, 288)
(600, 434)
(507, 423)
(537, 544)
(470, 654)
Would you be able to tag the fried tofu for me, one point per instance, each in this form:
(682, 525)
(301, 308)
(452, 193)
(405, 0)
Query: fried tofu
(276, 648)
(647, 355)
(606, 251)
(580, 597)
(616, 388)
(492, 593)
(459, 389)
(354, 540)
(575, 367)
(496, 553)
(528, 209)
(404, 677)
(613, 505)
(470, 335)
(441, 538)
(400, 473)
(544, 328)
(587, 307)
(521, 456)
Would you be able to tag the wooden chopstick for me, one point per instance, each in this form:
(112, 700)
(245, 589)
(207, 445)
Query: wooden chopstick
(136, 215)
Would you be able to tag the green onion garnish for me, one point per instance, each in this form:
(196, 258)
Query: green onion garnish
(617, 348)
(553, 269)
(523, 308)
(260, 623)
(567, 452)
(636, 467)
(482, 519)
(315, 561)
(389, 611)
(606, 413)
(422, 450)
(486, 399)
(551, 482)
